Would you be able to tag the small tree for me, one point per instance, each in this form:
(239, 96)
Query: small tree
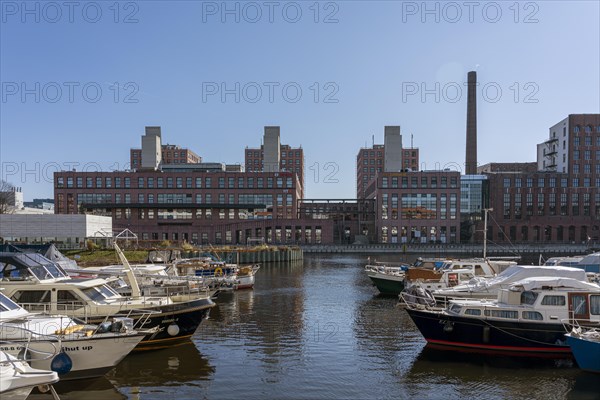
(91, 246)
(165, 243)
(6, 197)
(187, 247)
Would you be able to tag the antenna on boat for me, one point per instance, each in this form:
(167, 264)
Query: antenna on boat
(135, 289)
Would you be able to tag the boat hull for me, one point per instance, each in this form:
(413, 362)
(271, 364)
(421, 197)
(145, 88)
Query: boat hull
(388, 285)
(176, 323)
(90, 357)
(586, 352)
(511, 337)
(245, 282)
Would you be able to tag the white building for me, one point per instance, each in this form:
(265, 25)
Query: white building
(66, 229)
(553, 154)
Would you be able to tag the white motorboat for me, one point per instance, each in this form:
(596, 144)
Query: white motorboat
(38, 284)
(17, 378)
(61, 344)
(481, 287)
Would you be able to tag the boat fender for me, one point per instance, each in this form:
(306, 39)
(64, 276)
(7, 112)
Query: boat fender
(173, 329)
(218, 271)
(448, 326)
(486, 334)
(62, 363)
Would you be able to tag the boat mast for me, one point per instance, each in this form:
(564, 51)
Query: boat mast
(485, 229)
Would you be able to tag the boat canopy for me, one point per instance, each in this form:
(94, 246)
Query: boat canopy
(23, 266)
(540, 282)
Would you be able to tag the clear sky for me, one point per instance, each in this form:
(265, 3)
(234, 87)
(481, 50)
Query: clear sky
(212, 74)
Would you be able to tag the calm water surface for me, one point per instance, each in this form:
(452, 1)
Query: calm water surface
(319, 330)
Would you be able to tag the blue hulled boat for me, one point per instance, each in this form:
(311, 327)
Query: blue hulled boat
(586, 348)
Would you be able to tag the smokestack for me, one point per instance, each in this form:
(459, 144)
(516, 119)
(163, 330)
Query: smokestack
(471, 153)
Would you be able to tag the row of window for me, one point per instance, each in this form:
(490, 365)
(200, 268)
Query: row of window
(587, 129)
(547, 204)
(280, 234)
(177, 182)
(552, 182)
(546, 233)
(549, 300)
(587, 168)
(416, 234)
(188, 213)
(186, 198)
(425, 182)
(284, 153)
(587, 155)
(587, 141)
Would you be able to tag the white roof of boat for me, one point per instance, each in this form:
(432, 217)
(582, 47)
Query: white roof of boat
(517, 273)
(540, 282)
(78, 282)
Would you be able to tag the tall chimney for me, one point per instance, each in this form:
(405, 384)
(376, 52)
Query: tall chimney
(471, 153)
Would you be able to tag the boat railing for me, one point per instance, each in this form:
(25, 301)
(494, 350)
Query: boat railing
(417, 301)
(23, 343)
(85, 312)
(578, 323)
(69, 308)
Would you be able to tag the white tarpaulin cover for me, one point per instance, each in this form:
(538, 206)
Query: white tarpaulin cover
(539, 282)
(513, 274)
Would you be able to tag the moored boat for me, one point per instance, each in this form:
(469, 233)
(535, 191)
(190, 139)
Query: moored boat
(585, 345)
(528, 318)
(487, 288)
(60, 344)
(389, 280)
(17, 378)
(40, 285)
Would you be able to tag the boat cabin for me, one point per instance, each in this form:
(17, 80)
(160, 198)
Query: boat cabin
(552, 303)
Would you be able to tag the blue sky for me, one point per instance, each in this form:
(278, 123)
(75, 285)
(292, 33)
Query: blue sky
(369, 60)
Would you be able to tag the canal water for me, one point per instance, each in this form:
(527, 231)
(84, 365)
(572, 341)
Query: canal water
(319, 330)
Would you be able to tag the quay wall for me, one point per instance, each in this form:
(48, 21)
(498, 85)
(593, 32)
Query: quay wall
(463, 249)
(243, 256)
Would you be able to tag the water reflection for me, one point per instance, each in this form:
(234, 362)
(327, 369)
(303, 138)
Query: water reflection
(98, 388)
(459, 374)
(173, 366)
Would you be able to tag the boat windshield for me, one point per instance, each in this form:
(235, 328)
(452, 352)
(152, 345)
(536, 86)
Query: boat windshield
(100, 293)
(7, 304)
(528, 297)
(40, 267)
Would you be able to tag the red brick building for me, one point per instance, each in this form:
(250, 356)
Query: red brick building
(207, 207)
(371, 160)
(171, 154)
(196, 202)
(416, 207)
(557, 198)
(284, 157)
